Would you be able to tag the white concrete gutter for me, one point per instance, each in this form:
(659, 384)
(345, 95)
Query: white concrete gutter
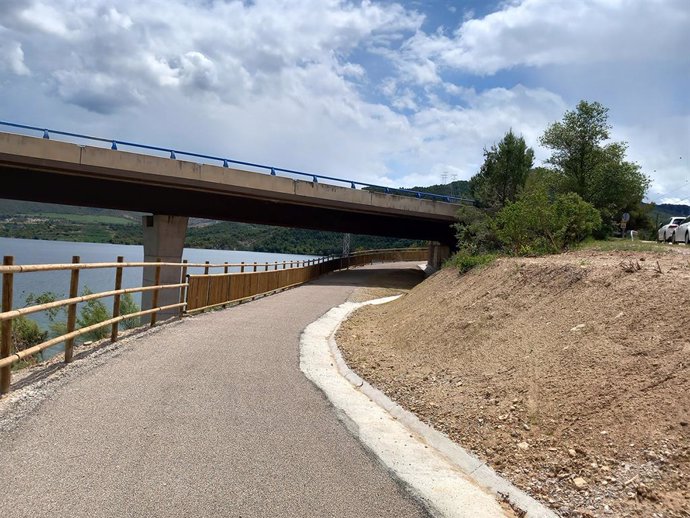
(448, 480)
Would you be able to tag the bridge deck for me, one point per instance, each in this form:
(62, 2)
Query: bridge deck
(210, 417)
(43, 170)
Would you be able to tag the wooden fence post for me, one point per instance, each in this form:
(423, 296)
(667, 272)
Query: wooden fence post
(6, 325)
(116, 299)
(225, 269)
(72, 310)
(183, 290)
(275, 267)
(206, 269)
(266, 266)
(242, 267)
(254, 265)
(154, 301)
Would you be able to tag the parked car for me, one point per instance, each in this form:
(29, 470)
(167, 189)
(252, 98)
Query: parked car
(681, 234)
(666, 231)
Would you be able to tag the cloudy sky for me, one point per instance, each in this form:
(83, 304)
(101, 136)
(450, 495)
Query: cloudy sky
(395, 93)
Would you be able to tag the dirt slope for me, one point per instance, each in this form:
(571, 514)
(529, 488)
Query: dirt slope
(568, 374)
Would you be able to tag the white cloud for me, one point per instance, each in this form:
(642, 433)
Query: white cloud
(353, 89)
(12, 58)
(676, 201)
(662, 148)
(560, 32)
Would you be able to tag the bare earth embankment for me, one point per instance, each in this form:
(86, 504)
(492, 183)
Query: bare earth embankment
(569, 375)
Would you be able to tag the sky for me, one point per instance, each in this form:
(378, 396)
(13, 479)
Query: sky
(392, 93)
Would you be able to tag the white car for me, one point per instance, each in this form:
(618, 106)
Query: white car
(666, 231)
(681, 233)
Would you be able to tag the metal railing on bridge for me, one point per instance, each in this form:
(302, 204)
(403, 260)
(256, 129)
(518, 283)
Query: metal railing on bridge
(197, 292)
(115, 144)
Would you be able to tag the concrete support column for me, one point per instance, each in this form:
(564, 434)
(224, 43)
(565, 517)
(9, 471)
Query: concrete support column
(164, 238)
(437, 254)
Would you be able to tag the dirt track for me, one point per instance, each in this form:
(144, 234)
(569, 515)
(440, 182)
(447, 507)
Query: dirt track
(568, 374)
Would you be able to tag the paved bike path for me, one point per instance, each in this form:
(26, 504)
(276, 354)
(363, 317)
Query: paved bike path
(208, 417)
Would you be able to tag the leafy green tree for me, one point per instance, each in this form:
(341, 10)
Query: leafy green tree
(589, 166)
(93, 312)
(504, 172)
(26, 333)
(536, 225)
(57, 325)
(475, 231)
(128, 306)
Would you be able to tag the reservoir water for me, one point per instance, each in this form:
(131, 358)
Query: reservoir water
(34, 251)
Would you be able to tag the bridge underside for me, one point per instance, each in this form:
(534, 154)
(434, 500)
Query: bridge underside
(74, 189)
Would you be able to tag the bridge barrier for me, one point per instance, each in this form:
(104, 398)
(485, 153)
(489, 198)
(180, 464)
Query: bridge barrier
(197, 293)
(116, 144)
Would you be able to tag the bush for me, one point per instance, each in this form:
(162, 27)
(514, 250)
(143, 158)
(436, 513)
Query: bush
(26, 333)
(127, 306)
(534, 225)
(575, 219)
(93, 312)
(464, 261)
(475, 231)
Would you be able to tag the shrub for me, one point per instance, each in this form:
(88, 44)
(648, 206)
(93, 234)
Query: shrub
(26, 333)
(534, 225)
(93, 312)
(475, 231)
(127, 306)
(464, 261)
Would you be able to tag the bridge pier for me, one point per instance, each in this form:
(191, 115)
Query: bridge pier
(437, 254)
(164, 239)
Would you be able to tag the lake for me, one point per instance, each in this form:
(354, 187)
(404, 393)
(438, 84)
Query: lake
(35, 251)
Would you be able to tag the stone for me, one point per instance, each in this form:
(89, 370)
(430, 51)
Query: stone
(578, 328)
(523, 446)
(580, 482)
(572, 452)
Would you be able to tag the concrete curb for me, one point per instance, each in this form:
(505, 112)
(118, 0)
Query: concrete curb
(447, 478)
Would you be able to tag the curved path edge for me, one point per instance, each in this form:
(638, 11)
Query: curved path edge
(450, 481)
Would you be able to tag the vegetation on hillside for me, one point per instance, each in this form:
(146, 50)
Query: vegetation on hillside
(584, 191)
(26, 332)
(55, 222)
(260, 238)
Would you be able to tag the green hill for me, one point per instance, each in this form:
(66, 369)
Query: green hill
(30, 220)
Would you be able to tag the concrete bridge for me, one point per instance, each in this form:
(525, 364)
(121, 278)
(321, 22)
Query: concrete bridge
(45, 170)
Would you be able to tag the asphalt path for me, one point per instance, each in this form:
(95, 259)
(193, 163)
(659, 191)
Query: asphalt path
(208, 417)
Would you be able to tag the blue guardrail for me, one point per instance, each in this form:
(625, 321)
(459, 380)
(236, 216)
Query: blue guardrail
(273, 170)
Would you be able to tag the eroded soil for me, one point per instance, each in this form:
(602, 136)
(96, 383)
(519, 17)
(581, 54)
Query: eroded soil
(569, 375)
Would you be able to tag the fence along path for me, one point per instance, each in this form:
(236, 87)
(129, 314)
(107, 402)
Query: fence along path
(196, 293)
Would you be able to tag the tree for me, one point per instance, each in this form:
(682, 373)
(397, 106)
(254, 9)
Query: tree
(504, 172)
(475, 231)
(536, 225)
(597, 171)
(93, 312)
(128, 306)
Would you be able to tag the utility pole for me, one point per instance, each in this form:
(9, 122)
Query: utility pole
(346, 244)
(453, 179)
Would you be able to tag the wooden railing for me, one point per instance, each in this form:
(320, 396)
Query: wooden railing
(196, 292)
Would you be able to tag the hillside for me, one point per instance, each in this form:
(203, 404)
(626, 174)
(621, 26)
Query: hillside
(29, 220)
(569, 374)
(460, 188)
